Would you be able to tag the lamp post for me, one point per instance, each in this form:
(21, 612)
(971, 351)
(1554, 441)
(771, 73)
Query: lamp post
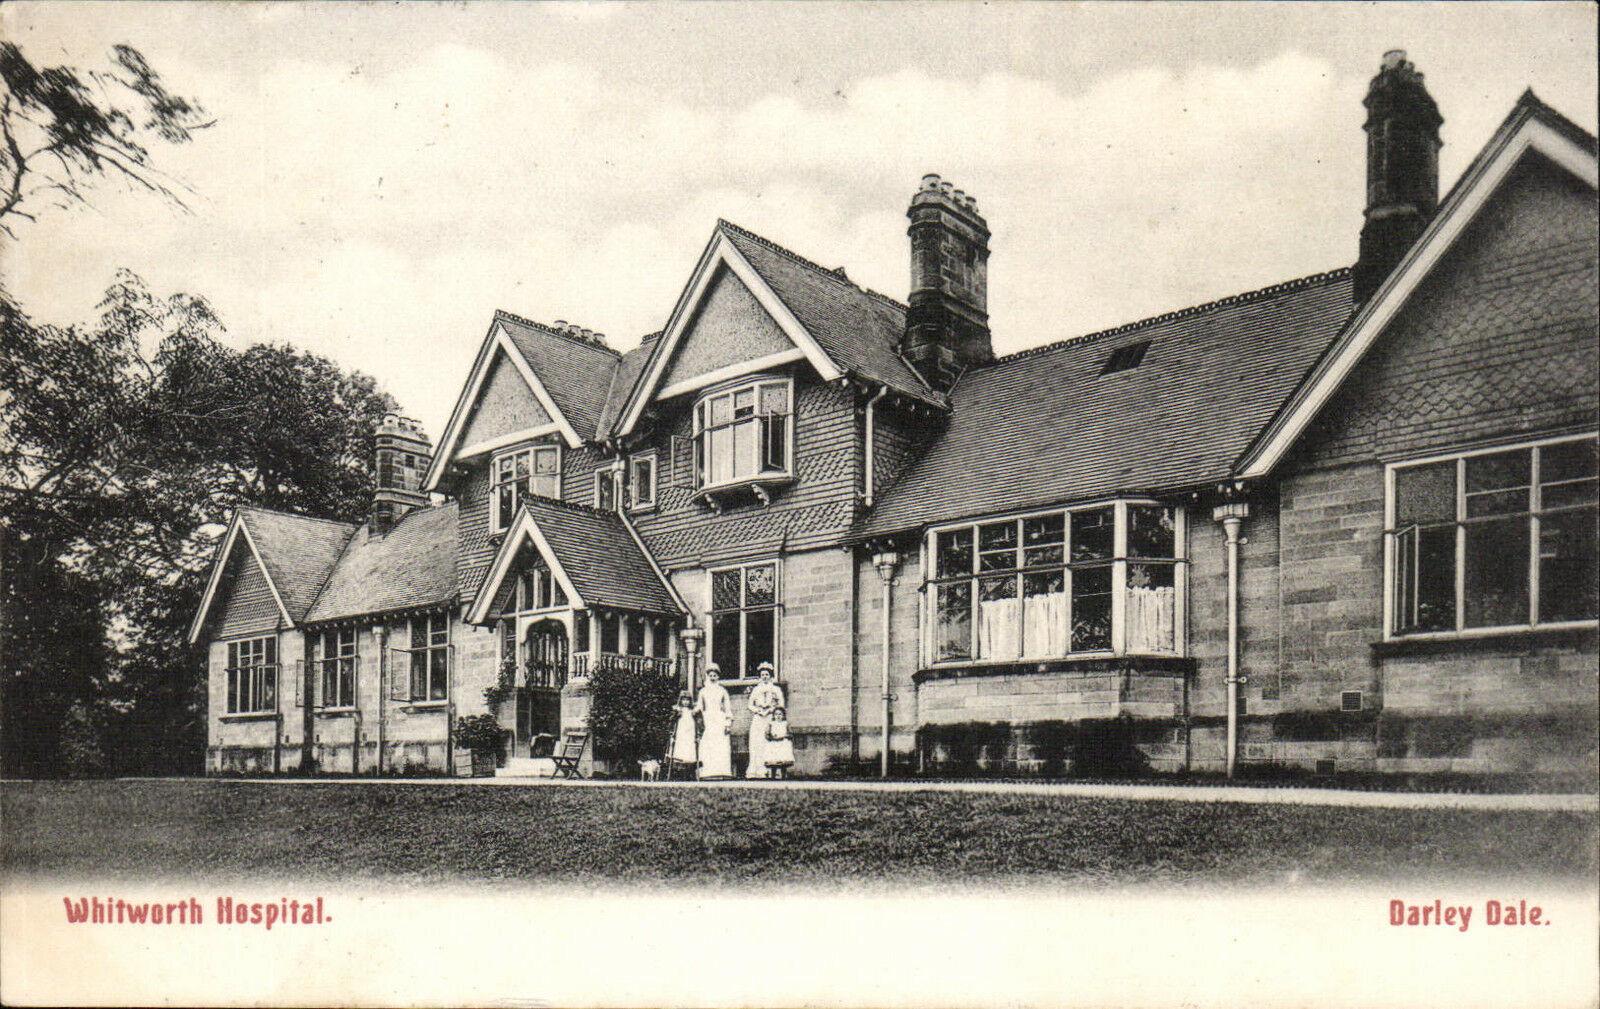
(692, 638)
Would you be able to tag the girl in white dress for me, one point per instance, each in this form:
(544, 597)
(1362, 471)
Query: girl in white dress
(683, 751)
(780, 750)
(716, 753)
(765, 698)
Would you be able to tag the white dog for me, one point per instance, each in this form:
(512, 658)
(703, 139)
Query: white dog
(650, 770)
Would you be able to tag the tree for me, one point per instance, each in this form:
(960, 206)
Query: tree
(62, 128)
(124, 445)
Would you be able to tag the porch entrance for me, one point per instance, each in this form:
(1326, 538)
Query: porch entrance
(544, 672)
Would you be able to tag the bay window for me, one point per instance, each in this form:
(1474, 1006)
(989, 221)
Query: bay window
(1501, 538)
(253, 676)
(743, 433)
(517, 475)
(1101, 579)
(744, 618)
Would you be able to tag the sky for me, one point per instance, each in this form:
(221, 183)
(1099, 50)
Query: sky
(381, 178)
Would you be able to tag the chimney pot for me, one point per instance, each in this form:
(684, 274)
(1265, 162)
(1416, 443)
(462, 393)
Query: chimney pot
(1393, 58)
(930, 182)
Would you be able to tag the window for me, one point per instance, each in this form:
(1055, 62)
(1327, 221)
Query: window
(1500, 538)
(742, 433)
(744, 618)
(1125, 358)
(605, 489)
(1058, 583)
(537, 589)
(642, 481)
(515, 476)
(335, 658)
(253, 676)
(430, 657)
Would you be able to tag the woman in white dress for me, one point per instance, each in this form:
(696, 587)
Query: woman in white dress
(683, 748)
(765, 698)
(716, 757)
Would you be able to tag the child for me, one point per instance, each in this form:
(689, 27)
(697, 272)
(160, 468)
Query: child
(780, 751)
(682, 752)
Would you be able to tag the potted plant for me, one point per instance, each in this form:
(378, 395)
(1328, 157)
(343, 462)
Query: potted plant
(482, 736)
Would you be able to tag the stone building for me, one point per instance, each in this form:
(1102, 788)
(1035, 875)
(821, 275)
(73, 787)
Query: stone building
(1346, 522)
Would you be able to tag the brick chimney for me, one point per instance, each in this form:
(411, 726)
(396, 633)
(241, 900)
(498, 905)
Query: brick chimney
(947, 323)
(403, 453)
(1402, 169)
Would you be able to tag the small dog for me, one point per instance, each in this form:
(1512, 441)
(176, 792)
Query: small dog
(650, 770)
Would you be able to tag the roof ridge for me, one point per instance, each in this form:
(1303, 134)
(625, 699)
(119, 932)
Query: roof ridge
(1243, 298)
(835, 274)
(597, 342)
(295, 515)
(572, 506)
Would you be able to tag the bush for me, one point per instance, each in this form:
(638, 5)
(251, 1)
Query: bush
(631, 712)
(480, 734)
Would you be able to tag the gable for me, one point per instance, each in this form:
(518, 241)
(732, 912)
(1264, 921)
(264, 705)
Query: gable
(1499, 340)
(248, 605)
(1532, 134)
(507, 406)
(729, 329)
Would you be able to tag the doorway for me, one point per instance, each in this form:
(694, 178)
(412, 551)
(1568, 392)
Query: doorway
(545, 673)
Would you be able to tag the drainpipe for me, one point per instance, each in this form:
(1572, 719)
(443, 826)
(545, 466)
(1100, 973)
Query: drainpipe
(872, 428)
(1232, 516)
(886, 562)
(381, 634)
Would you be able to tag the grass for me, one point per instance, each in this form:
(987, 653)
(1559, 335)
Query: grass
(184, 829)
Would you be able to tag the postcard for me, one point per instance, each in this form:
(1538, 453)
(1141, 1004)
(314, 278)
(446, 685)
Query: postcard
(772, 504)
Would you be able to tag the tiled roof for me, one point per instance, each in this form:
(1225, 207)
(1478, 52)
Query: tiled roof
(859, 329)
(576, 370)
(414, 564)
(298, 551)
(1044, 426)
(623, 379)
(600, 556)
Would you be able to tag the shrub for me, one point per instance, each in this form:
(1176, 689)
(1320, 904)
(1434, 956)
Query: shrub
(630, 711)
(480, 734)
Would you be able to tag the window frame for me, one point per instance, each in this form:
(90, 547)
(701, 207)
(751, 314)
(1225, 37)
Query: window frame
(700, 445)
(744, 609)
(426, 652)
(348, 660)
(1119, 563)
(497, 485)
(636, 501)
(605, 476)
(257, 678)
(1533, 516)
(527, 584)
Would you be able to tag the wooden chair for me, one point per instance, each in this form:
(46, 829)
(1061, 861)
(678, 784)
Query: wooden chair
(568, 754)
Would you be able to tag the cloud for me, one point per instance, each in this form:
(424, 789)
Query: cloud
(378, 211)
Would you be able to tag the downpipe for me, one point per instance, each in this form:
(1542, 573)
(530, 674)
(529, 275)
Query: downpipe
(1232, 516)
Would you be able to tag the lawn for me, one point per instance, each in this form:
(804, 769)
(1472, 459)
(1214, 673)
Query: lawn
(167, 830)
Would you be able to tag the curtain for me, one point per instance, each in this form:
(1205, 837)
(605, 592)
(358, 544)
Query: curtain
(1044, 622)
(999, 628)
(1150, 617)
